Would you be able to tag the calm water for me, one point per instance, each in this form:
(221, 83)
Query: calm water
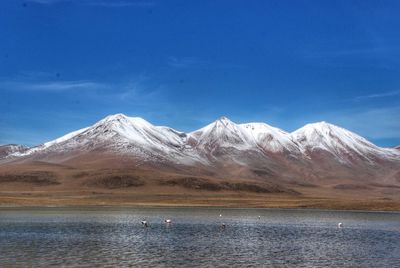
(279, 238)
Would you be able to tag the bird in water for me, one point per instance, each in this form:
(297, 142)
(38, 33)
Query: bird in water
(340, 225)
(145, 223)
(168, 221)
(223, 226)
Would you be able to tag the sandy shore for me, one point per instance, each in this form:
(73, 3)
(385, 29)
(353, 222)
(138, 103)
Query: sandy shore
(228, 200)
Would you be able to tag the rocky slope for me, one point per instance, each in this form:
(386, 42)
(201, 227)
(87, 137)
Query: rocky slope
(9, 149)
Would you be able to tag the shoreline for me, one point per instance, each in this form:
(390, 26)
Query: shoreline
(189, 206)
(220, 200)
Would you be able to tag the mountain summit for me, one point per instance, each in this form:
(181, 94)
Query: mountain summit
(343, 144)
(250, 150)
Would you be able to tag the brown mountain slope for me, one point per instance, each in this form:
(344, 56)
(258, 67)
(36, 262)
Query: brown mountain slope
(124, 160)
(105, 179)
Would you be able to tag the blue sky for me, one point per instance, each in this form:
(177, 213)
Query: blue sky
(65, 64)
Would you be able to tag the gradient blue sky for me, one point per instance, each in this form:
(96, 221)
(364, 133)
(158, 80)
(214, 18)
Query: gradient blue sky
(65, 64)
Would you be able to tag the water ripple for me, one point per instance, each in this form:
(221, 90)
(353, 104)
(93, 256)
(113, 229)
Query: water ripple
(279, 238)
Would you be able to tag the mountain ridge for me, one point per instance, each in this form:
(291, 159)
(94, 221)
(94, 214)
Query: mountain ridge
(223, 132)
(129, 154)
(225, 149)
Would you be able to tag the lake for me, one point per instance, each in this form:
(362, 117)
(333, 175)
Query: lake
(107, 237)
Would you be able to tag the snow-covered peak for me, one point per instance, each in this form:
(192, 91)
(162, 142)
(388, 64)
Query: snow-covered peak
(270, 138)
(221, 123)
(221, 133)
(117, 132)
(121, 119)
(224, 120)
(114, 117)
(321, 126)
(225, 133)
(321, 133)
(339, 141)
(138, 131)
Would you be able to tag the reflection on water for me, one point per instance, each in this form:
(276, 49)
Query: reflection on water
(278, 238)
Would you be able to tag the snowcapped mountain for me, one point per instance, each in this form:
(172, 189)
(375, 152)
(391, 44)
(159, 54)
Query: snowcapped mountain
(224, 133)
(345, 146)
(219, 134)
(119, 134)
(250, 149)
(134, 156)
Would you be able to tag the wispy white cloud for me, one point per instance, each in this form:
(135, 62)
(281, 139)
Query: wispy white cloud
(50, 86)
(136, 96)
(134, 92)
(137, 88)
(379, 95)
(376, 123)
(185, 62)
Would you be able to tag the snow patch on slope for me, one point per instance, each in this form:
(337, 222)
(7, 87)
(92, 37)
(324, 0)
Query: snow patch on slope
(46, 145)
(270, 138)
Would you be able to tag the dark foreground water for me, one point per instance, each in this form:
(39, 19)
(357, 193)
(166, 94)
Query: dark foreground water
(278, 238)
